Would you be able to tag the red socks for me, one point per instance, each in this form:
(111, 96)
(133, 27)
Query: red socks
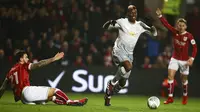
(60, 97)
(170, 88)
(185, 88)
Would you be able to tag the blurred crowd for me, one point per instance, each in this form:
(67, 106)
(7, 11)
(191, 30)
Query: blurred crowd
(45, 27)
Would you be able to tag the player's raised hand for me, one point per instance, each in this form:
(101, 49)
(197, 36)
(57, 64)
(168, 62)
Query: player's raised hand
(158, 12)
(58, 56)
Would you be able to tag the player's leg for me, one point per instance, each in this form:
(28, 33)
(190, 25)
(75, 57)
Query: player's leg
(120, 85)
(122, 81)
(116, 84)
(35, 95)
(124, 63)
(40, 94)
(184, 79)
(59, 97)
(114, 81)
(172, 68)
(184, 70)
(123, 72)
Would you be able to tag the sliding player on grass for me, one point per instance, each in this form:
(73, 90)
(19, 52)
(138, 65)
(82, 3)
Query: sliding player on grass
(18, 77)
(180, 58)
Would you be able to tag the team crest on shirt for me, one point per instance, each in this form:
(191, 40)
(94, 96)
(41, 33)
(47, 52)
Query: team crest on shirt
(132, 33)
(193, 42)
(185, 38)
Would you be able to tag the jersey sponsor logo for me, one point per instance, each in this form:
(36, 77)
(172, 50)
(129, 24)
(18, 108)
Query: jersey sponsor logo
(193, 42)
(179, 42)
(132, 33)
(185, 38)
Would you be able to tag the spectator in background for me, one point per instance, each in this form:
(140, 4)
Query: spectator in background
(98, 58)
(79, 62)
(95, 27)
(64, 34)
(32, 40)
(108, 57)
(25, 44)
(89, 60)
(153, 49)
(167, 54)
(44, 38)
(102, 44)
(85, 32)
(4, 63)
(159, 63)
(56, 40)
(9, 50)
(50, 49)
(147, 63)
(38, 52)
(75, 45)
(76, 34)
(66, 59)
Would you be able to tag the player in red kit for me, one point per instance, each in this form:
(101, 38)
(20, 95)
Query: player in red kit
(180, 58)
(18, 77)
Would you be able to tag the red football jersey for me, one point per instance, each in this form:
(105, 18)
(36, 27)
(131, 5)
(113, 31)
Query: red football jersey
(181, 42)
(18, 77)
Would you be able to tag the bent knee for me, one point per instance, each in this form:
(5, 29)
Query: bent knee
(127, 67)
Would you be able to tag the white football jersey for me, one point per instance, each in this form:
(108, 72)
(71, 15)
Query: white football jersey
(129, 34)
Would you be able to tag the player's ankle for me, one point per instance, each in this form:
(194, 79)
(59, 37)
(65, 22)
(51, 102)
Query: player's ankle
(170, 95)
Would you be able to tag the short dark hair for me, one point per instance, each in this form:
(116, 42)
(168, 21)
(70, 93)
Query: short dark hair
(18, 54)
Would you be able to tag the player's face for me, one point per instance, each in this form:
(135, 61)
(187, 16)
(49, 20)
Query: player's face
(181, 27)
(25, 59)
(132, 13)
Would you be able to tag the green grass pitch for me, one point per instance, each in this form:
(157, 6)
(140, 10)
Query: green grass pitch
(120, 103)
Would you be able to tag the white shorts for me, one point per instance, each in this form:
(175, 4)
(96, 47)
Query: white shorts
(35, 94)
(121, 56)
(175, 64)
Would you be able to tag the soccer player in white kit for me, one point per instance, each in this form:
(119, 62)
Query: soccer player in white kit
(129, 33)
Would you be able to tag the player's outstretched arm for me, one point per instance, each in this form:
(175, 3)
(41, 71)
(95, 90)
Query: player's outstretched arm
(164, 21)
(3, 87)
(41, 63)
(149, 30)
(110, 25)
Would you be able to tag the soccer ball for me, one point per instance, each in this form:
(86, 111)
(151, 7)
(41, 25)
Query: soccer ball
(153, 102)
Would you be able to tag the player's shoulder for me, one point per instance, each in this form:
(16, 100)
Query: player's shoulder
(188, 33)
(15, 67)
(122, 20)
(139, 22)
